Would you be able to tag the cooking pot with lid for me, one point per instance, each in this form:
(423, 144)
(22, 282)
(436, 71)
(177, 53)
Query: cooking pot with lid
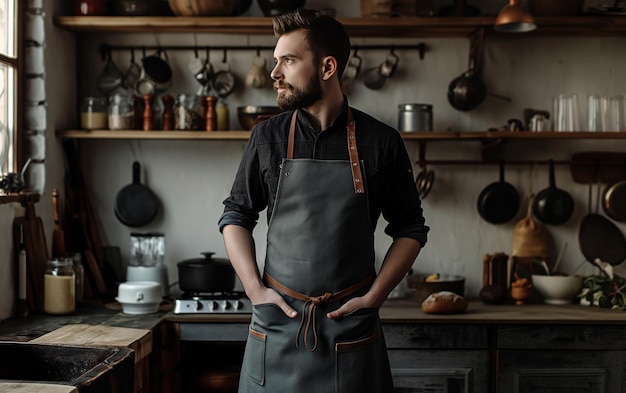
(206, 275)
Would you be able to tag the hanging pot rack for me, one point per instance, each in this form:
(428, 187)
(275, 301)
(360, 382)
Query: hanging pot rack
(106, 48)
(606, 167)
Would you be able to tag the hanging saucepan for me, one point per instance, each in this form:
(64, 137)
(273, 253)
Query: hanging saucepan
(599, 238)
(553, 205)
(206, 275)
(614, 201)
(467, 91)
(135, 204)
(499, 202)
(224, 81)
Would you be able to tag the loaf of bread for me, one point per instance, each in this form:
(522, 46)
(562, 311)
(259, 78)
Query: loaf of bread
(444, 302)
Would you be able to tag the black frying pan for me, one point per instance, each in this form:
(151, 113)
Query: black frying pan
(499, 202)
(599, 238)
(135, 204)
(553, 205)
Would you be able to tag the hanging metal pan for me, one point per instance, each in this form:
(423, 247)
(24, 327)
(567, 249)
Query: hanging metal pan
(614, 201)
(553, 205)
(600, 238)
(135, 204)
(499, 202)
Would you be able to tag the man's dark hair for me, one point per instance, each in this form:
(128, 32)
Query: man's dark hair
(325, 36)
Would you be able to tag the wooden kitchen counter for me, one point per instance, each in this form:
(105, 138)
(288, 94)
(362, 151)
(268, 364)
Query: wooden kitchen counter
(407, 311)
(393, 311)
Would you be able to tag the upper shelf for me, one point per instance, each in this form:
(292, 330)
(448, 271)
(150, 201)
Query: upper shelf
(357, 27)
(411, 136)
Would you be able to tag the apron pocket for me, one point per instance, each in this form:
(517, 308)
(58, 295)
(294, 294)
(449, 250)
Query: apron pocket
(254, 356)
(358, 365)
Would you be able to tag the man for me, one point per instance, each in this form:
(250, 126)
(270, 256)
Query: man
(325, 172)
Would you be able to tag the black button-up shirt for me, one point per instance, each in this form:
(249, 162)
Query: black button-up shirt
(387, 169)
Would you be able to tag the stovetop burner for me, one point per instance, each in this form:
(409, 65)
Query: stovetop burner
(212, 303)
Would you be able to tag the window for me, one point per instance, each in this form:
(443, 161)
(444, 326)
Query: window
(8, 83)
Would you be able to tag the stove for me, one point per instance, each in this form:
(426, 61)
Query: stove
(213, 303)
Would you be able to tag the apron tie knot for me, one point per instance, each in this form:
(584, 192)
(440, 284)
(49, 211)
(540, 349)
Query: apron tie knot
(310, 305)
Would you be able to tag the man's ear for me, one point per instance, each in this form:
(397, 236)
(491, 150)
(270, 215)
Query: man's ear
(329, 67)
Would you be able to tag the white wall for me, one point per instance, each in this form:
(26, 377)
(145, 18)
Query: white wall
(193, 177)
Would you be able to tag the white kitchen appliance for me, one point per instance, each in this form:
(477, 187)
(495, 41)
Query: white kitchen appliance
(147, 252)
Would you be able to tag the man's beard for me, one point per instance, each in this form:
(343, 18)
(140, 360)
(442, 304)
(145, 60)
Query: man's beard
(295, 98)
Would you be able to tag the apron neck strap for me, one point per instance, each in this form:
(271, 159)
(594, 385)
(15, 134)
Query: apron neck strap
(357, 176)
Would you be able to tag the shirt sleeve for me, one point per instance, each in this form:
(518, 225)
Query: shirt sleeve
(249, 194)
(402, 208)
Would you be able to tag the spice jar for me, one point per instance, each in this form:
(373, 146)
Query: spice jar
(59, 287)
(121, 112)
(221, 109)
(93, 114)
(187, 112)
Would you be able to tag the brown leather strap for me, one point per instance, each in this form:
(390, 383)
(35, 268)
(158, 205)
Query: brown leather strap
(311, 302)
(357, 175)
(292, 132)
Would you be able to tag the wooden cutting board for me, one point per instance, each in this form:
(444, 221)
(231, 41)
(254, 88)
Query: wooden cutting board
(21, 387)
(140, 340)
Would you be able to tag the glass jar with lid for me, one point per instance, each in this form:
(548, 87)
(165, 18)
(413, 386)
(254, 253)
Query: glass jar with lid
(187, 112)
(121, 112)
(93, 114)
(59, 287)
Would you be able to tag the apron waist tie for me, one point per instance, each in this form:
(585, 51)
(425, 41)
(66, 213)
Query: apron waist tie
(311, 303)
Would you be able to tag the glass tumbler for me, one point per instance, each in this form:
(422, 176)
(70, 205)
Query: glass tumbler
(617, 113)
(598, 113)
(566, 113)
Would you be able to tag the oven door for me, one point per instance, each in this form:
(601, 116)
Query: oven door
(211, 355)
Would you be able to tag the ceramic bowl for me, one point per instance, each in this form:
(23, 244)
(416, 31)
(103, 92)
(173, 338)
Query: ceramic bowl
(557, 289)
(139, 297)
(250, 115)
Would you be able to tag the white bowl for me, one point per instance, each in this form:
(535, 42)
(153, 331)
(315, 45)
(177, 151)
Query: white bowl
(557, 289)
(139, 297)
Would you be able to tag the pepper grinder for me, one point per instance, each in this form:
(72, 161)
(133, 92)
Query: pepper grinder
(211, 116)
(168, 107)
(147, 113)
(138, 112)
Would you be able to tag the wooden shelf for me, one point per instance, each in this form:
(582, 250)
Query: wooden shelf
(22, 197)
(157, 135)
(409, 136)
(357, 27)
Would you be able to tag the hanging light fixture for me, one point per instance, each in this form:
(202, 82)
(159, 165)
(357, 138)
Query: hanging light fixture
(515, 18)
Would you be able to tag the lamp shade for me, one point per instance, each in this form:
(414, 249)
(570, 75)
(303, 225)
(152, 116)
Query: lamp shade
(515, 18)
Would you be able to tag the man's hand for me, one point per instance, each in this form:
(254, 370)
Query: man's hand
(270, 296)
(351, 306)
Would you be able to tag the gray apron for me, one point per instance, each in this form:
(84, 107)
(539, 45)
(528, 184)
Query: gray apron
(320, 254)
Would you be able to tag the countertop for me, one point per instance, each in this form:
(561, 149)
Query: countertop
(89, 313)
(407, 311)
(393, 311)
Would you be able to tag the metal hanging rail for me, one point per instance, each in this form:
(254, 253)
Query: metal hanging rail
(104, 48)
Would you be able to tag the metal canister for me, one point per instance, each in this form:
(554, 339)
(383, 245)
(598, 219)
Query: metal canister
(415, 117)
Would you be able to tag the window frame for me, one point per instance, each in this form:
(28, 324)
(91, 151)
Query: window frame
(17, 64)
